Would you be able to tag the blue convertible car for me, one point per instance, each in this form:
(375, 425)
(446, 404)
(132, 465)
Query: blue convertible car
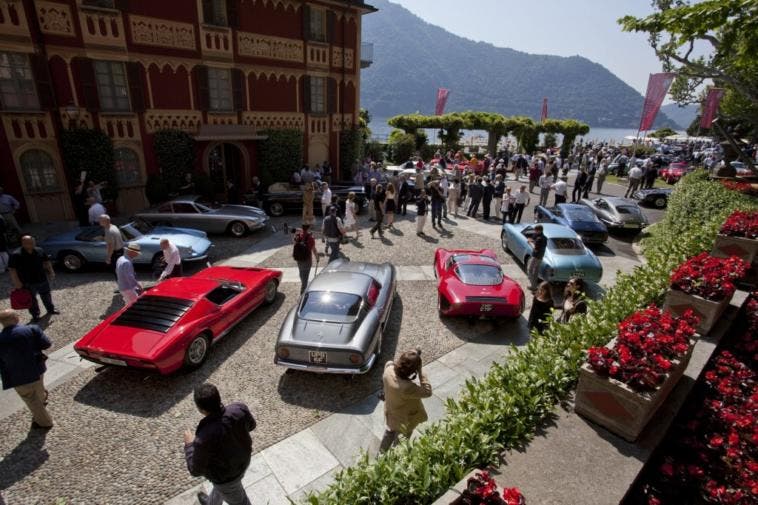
(566, 256)
(76, 248)
(577, 217)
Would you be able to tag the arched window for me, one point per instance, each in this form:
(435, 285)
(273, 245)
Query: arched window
(126, 165)
(39, 172)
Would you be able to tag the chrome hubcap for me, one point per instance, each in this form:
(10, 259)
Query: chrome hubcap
(197, 350)
(238, 229)
(277, 209)
(270, 292)
(72, 262)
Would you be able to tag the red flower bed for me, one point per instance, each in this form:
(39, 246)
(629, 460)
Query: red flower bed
(481, 489)
(709, 277)
(741, 187)
(741, 224)
(712, 456)
(647, 343)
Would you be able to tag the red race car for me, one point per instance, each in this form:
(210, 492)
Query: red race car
(471, 283)
(675, 171)
(175, 323)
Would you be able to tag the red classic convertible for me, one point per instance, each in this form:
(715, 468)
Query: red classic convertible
(471, 283)
(174, 323)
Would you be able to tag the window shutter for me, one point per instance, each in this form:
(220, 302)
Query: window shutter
(41, 72)
(238, 88)
(134, 76)
(306, 94)
(331, 96)
(330, 22)
(208, 16)
(306, 22)
(86, 72)
(203, 93)
(232, 15)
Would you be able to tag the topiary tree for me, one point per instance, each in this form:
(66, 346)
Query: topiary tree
(401, 146)
(89, 150)
(351, 149)
(175, 152)
(279, 155)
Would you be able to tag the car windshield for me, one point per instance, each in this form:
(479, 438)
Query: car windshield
(330, 306)
(479, 275)
(205, 207)
(458, 258)
(580, 214)
(623, 209)
(129, 232)
(565, 244)
(137, 228)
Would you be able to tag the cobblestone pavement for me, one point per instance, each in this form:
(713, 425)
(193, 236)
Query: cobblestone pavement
(117, 437)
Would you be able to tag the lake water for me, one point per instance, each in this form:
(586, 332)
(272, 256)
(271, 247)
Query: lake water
(380, 130)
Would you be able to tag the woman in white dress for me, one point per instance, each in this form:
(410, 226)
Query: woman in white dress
(351, 223)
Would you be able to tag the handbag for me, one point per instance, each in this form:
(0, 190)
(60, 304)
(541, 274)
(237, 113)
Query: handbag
(21, 299)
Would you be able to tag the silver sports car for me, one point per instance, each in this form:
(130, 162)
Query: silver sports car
(617, 212)
(191, 212)
(337, 325)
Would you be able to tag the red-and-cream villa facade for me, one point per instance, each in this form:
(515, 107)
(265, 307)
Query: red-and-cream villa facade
(221, 70)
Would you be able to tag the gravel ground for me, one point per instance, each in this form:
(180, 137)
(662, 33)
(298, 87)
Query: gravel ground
(121, 429)
(401, 246)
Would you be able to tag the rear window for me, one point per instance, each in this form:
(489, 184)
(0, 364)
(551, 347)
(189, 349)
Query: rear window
(627, 210)
(330, 306)
(581, 215)
(565, 244)
(479, 275)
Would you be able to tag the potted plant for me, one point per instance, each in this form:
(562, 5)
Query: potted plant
(704, 284)
(481, 489)
(622, 384)
(738, 236)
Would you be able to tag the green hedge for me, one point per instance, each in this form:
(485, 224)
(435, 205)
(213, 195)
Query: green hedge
(279, 155)
(504, 408)
(175, 152)
(92, 151)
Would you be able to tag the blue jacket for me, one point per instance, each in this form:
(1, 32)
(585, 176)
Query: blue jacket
(21, 358)
(222, 446)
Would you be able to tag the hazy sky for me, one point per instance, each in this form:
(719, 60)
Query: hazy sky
(561, 27)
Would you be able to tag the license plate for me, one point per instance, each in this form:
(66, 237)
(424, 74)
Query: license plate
(578, 274)
(485, 307)
(631, 225)
(317, 357)
(111, 361)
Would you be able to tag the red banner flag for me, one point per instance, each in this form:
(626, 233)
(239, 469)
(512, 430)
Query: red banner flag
(711, 106)
(657, 87)
(543, 117)
(442, 94)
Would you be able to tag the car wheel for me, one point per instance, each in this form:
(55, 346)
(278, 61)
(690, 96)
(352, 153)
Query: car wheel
(197, 351)
(238, 229)
(270, 290)
(72, 261)
(157, 264)
(442, 305)
(276, 209)
(659, 202)
(504, 241)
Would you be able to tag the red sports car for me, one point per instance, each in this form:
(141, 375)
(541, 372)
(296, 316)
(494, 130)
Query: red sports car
(174, 323)
(471, 283)
(675, 171)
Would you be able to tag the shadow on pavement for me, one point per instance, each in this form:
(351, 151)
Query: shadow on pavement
(306, 389)
(24, 459)
(132, 391)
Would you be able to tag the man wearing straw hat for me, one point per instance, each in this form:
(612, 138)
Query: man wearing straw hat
(128, 285)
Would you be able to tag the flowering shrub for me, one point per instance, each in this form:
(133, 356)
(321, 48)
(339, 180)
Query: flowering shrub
(647, 342)
(481, 489)
(709, 277)
(713, 457)
(741, 187)
(741, 224)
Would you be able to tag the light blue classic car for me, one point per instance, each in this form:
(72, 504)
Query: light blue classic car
(566, 255)
(76, 248)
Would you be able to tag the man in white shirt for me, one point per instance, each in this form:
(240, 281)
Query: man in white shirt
(173, 260)
(521, 200)
(96, 210)
(326, 199)
(561, 188)
(545, 183)
(635, 176)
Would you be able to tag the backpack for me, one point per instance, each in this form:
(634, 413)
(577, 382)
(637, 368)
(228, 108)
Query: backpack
(300, 251)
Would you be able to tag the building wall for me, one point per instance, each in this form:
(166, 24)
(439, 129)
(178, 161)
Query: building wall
(165, 47)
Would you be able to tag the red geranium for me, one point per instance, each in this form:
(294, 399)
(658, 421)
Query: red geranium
(481, 489)
(646, 344)
(741, 187)
(741, 224)
(709, 277)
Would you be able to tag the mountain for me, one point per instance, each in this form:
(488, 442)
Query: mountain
(412, 58)
(683, 116)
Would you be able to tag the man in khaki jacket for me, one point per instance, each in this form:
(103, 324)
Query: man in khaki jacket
(403, 409)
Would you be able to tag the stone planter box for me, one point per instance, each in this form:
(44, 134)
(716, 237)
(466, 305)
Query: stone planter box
(745, 248)
(617, 407)
(709, 312)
